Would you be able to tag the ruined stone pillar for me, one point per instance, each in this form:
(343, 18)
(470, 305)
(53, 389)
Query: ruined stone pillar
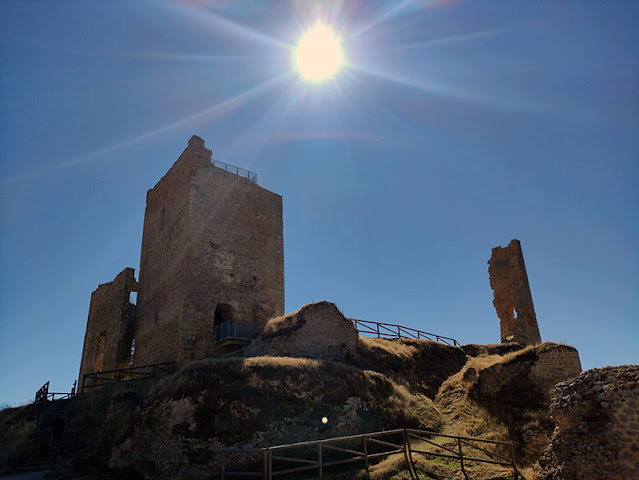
(512, 298)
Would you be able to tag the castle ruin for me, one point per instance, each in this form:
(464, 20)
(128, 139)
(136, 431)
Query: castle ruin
(512, 298)
(211, 267)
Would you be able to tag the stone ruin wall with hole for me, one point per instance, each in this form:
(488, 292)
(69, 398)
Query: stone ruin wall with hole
(512, 298)
(212, 250)
(110, 326)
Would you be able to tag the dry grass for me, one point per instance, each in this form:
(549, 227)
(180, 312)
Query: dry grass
(18, 442)
(398, 348)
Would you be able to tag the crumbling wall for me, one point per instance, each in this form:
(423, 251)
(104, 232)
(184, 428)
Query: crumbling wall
(597, 426)
(512, 298)
(110, 326)
(317, 330)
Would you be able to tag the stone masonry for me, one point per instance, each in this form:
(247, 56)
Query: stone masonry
(110, 326)
(317, 330)
(597, 427)
(212, 252)
(512, 298)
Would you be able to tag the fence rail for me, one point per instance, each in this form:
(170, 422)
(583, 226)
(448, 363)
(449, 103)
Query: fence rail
(390, 330)
(130, 374)
(319, 455)
(44, 395)
(242, 172)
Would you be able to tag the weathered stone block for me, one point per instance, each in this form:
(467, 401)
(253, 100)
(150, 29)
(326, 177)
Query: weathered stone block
(318, 330)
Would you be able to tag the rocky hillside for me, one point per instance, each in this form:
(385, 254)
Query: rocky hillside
(175, 426)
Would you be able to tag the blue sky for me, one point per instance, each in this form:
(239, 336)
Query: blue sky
(455, 127)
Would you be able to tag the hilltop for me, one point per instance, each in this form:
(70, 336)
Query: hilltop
(176, 426)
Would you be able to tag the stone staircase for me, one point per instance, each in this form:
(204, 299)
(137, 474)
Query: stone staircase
(50, 455)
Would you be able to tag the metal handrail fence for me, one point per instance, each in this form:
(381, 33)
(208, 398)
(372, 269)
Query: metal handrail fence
(129, 374)
(319, 455)
(242, 172)
(44, 395)
(316, 456)
(452, 446)
(390, 330)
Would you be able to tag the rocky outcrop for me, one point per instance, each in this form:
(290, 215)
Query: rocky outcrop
(597, 427)
(421, 365)
(513, 389)
(317, 330)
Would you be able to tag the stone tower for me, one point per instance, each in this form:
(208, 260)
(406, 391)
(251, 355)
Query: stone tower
(211, 268)
(212, 253)
(512, 297)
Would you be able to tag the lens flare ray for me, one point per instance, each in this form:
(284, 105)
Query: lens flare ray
(214, 112)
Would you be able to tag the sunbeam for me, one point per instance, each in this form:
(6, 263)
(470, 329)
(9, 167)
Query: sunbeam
(222, 23)
(213, 112)
(435, 42)
(177, 57)
(453, 92)
(385, 14)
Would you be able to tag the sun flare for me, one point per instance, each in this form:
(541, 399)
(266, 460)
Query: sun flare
(318, 55)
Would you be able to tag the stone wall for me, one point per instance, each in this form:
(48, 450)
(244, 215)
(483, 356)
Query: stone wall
(318, 330)
(512, 297)
(162, 273)
(109, 332)
(212, 242)
(597, 427)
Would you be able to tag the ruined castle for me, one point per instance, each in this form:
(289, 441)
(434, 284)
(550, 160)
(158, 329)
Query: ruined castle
(211, 265)
(212, 272)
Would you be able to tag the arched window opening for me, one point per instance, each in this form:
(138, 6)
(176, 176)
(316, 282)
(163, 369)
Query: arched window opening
(223, 321)
(223, 313)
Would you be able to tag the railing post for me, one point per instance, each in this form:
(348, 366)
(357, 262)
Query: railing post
(270, 465)
(399, 331)
(319, 458)
(378, 330)
(368, 472)
(461, 458)
(513, 455)
(409, 463)
(265, 464)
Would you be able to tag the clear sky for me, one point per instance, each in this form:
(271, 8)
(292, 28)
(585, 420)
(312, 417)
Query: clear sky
(454, 127)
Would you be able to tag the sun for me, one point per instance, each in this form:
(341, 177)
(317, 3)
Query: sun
(318, 55)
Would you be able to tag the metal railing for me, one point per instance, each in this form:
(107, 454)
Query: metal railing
(389, 330)
(462, 449)
(230, 329)
(44, 395)
(129, 374)
(242, 172)
(317, 456)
